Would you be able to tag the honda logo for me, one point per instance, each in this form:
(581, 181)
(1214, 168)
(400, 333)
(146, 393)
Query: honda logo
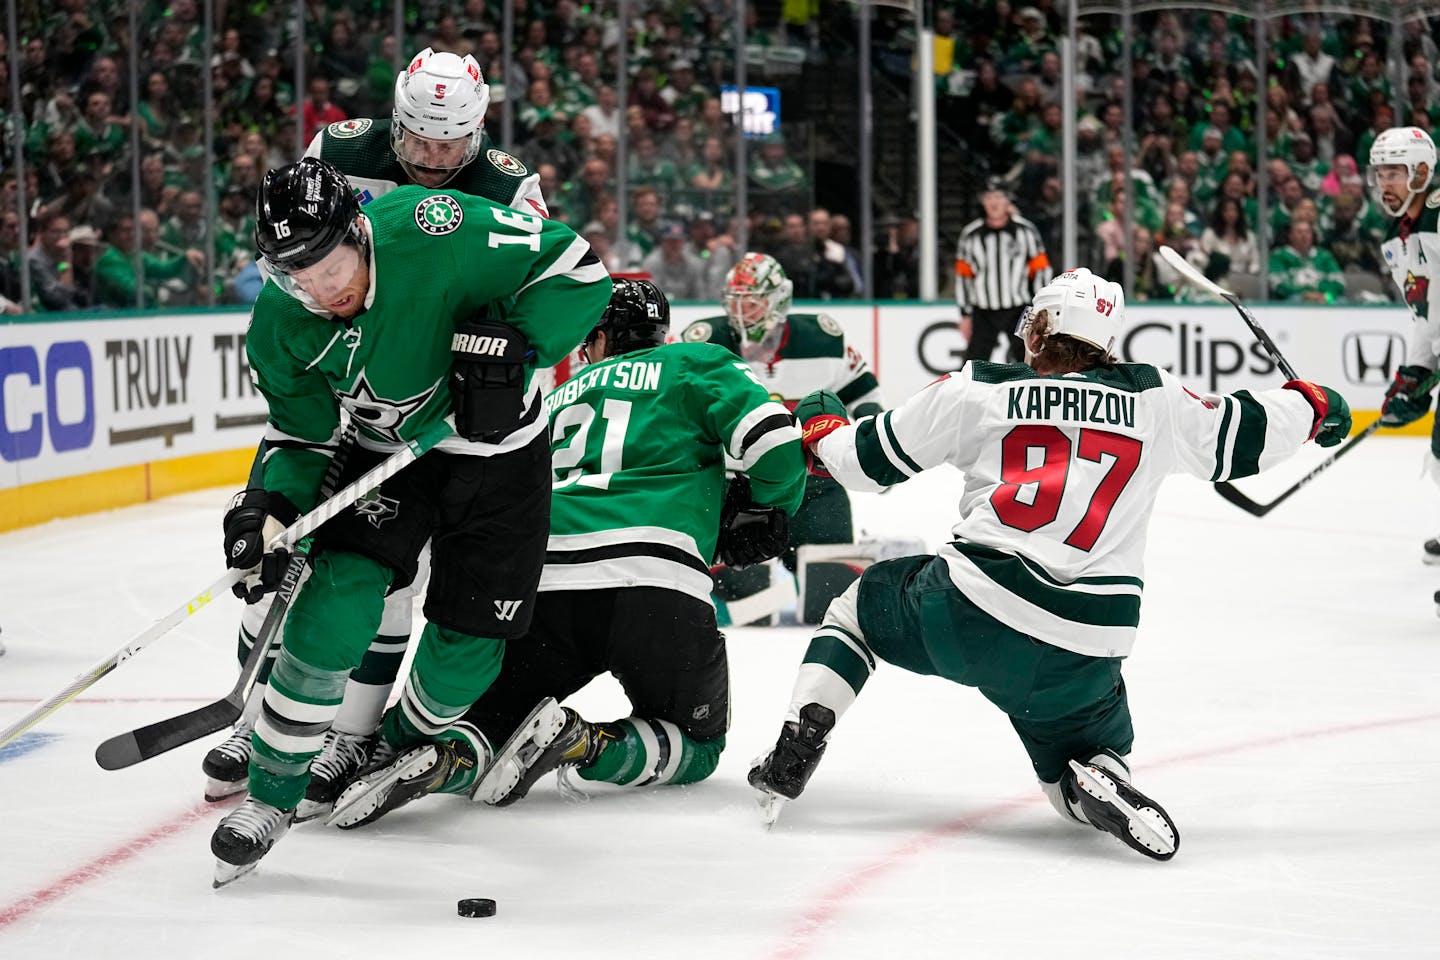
(1372, 356)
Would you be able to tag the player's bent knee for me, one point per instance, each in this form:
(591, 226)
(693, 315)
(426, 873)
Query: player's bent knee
(699, 760)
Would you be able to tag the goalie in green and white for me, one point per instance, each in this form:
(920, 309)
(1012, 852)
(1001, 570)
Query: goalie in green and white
(791, 354)
(1035, 599)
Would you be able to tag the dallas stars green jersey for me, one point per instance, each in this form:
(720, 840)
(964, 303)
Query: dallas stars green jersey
(812, 355)
(436, 258)
(638, 444)
(1414, 264)
(360, 149)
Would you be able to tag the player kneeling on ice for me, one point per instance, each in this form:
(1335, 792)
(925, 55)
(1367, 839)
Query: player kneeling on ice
(426, 313)
(1036, 598)
(639, 507)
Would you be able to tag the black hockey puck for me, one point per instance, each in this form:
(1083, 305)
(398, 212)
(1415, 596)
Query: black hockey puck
(479, 907)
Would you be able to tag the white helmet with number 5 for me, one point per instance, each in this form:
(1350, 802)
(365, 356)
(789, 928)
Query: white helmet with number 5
(757, 296)
(1406, 147)
(439, 115)
(1080, 305)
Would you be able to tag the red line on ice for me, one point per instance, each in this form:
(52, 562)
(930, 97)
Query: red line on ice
(103, 864)
(800, 942)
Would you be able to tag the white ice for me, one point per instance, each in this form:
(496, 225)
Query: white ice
(1283, 689)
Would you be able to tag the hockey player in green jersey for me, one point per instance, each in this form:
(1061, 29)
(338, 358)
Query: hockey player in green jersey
(427, 308)
(1036, 598)
(639, 441)
(1402, 170)
(791, 354)
(437, 121)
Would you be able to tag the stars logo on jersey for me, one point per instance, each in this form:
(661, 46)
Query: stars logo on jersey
(377, 508)
(507, 163)
(439, 214)
(698, 332)
(379, 416)
(1417, 289)
(346, 129)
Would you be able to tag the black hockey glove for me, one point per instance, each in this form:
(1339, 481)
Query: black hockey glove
(749, 533)
(487, 380)
(254, 519)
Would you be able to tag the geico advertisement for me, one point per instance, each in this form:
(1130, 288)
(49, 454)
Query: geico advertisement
(88, 395)
(1354, 349)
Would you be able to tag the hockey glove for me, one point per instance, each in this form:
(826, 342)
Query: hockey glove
(487, 380)
(254, 519)
(1402, 405)
(749, 533)
(820, 414)
(1332, 413)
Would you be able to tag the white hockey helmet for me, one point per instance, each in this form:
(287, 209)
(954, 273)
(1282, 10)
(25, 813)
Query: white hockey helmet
(1080, 305)
(1406, 147)
(439, 114)
(757, 296)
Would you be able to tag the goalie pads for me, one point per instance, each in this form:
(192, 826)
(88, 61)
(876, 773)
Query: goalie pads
(826, 569)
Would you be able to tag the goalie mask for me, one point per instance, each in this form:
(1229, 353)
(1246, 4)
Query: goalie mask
(637, 318)
(1081, 305)
(757, 296)
(1406, 147)
(439, 116)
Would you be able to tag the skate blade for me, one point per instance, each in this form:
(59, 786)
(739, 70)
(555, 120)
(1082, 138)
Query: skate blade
(359, 800)
(217, 790)
(540, 730)
(311, 810)
(228, 873)
(770, 806)
(1147, 827)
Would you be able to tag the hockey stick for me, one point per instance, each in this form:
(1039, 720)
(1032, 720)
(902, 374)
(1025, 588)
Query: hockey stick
(1232, 493)
(297, 531)
(142, 743)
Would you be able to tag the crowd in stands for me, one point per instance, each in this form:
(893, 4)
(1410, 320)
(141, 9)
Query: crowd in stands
(1192, 183)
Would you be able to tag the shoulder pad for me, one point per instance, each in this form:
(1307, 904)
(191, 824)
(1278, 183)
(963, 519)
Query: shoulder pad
(346, 129)
(1433, 200)
(830, 325)
(506, 163)
(698, 331)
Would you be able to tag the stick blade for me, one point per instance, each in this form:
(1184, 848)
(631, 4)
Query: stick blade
(143, 743)
(1232, 493)
(1193, 274)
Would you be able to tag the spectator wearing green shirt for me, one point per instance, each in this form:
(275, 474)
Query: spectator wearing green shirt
(1299, 271)
(772, 171)
(1231, 139)
(115, 278)
(97, 135)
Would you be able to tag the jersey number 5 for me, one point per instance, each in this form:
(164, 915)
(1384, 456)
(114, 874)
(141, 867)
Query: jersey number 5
(573, 463)
(1050, 477)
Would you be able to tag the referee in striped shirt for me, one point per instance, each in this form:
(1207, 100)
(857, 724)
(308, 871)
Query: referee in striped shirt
(1000, 264)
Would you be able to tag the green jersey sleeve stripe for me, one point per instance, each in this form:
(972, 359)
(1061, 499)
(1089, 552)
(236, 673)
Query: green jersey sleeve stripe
(569, 264)
(1222, 441)
(1249, 435)
(741, 437)
(766, 436)
(892, 445)
(878, 465)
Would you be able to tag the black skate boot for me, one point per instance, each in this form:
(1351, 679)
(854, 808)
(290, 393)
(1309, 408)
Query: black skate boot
(338, 763)
(391, 780)
(1432, 551)
(782, 773)
(227, 766)
(245, 835)
(552, 737)
(1101, 792)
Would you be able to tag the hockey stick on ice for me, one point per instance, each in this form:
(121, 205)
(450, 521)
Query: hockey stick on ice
(151, 740)
(297, 531)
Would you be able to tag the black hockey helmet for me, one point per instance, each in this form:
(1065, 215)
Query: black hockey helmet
(637, 318)
(304, 211)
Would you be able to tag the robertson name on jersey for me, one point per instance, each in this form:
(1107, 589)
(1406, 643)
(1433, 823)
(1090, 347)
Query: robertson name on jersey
(639, 443)
(436, 259)
(1061, 474)
(1414, 264)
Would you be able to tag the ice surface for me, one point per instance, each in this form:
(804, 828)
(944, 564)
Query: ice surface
(1284, 691)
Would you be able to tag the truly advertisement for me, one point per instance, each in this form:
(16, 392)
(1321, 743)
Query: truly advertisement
(83, 396)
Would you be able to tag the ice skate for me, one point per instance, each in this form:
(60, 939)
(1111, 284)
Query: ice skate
(1108, 801)
(390, 783)
(338, 763)
(1431, 553)
(780, 775)
(551, 737)
(245, 835)
(227, 766)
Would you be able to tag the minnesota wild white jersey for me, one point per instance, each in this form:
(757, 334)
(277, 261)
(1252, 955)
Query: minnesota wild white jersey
(1412, 254)
(436, 258)
(810, 354)
(638, 448)
(1061, 474)
(360, 149)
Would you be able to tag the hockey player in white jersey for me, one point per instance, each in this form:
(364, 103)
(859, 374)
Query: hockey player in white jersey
(1036, 599)
(1402, 170)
